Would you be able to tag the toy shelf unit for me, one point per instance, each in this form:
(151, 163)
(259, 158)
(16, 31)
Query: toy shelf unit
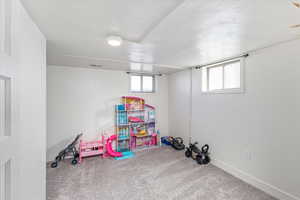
(135, 124)
(91, 148)
(122, 129)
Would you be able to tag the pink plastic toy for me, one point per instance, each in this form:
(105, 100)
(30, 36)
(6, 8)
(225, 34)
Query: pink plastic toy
(109, 148)
(91, 148)
(154, 139)
(135, 119)
(144, 140)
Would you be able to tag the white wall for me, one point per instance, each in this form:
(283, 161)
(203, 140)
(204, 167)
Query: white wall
(179, 102)
(82, 100)
(255, 133)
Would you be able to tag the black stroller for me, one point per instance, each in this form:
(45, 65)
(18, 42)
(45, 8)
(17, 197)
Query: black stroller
(70, 149)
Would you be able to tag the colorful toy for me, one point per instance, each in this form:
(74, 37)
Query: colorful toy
(166, 140)
(117, 155)
(133, 103)
(149, 113)
(141, 133)
(135, 125)
(109, 148)
(91, 148)
(154, 139)
(122, 115)
(151, 128)
(134, 119)
(135, 129)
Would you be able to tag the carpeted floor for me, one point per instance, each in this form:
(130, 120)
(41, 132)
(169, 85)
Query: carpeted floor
(157, 174)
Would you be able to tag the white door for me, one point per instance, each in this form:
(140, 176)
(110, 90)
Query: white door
(22, 105)
(8, 107)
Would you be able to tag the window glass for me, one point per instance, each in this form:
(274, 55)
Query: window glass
(135, 83)
(232, 74)
(147, 83)
(215, 78)
(222, 77)
(142, 83)
(204, 79)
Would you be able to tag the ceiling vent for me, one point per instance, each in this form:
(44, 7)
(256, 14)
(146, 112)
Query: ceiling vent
(94, 65)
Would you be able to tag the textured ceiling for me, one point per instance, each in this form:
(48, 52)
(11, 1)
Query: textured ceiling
(166, 35)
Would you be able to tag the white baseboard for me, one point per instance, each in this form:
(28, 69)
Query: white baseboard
(266, 187)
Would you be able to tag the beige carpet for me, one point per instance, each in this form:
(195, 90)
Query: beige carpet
(157, 174)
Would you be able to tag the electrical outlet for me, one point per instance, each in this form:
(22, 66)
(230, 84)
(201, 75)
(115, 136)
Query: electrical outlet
(249, 155)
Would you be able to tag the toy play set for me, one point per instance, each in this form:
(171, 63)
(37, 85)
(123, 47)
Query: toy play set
(135, 126)
(134, 130)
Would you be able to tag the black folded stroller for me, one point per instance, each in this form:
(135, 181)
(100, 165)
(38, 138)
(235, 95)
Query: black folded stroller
(69, 150)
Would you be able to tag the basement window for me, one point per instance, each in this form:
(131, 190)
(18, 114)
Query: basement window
(142, 83)
(225, 77)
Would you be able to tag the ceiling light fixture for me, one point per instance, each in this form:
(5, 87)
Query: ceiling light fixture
(114, 40)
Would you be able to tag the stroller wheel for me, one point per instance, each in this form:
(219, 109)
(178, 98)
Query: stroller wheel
(74, 162)
(54, 164)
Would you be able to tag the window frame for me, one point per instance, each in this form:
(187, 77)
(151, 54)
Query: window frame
(142, 90)
(224, 90)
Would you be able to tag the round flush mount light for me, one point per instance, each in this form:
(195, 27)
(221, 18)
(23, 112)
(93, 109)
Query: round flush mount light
(114, 40)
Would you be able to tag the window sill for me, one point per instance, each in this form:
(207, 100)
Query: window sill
(226, 91)
(142, 92)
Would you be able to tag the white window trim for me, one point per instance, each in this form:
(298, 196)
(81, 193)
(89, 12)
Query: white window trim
(231, 90)
(141, 75)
